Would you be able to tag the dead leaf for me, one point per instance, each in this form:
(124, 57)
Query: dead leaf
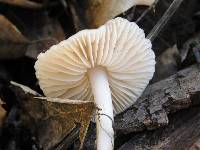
(2, 113)
(97, 12)
(12, 43)
(34, 49)
(51, 33)
(53, 29)
(53, 119)
(23, 3)
(9, 32)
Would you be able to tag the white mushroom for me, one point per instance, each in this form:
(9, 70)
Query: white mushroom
(110, 65)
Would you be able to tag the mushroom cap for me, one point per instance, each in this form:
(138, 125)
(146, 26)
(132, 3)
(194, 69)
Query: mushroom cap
(119, 46)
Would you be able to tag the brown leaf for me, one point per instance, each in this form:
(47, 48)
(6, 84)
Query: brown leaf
(12, 43)
(34, 49)
(97, 12)
(9, 32)
(50, 33)
(53, 119)
(2, 113)
(22, 3)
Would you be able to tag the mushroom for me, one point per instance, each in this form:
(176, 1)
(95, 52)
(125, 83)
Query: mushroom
(110, 65)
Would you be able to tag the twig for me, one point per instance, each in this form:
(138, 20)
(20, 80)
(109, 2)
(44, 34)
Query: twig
(165, 18)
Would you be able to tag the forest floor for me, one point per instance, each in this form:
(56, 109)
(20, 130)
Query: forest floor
(166, 116)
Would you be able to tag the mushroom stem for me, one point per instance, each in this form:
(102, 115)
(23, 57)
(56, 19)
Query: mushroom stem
(104, 118)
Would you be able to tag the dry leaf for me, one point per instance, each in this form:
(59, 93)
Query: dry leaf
(9, 32)
(51, 33)
(53, 119)
(34, 49)
(12, 43)
(2, 113)
(97, 12)
(23, 3)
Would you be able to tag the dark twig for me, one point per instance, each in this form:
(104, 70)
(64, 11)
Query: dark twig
(165, 18)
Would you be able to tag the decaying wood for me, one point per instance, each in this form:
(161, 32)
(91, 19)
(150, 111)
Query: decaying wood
(167, 96)
(182, 133)
(96, 13)
(51, 121)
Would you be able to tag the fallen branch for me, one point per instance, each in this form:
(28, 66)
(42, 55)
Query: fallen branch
(167, 96)
(183, 133)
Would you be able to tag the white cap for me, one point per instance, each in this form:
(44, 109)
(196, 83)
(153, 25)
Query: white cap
(119, 46)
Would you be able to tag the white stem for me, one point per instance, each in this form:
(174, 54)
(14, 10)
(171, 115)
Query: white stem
(102, 96)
